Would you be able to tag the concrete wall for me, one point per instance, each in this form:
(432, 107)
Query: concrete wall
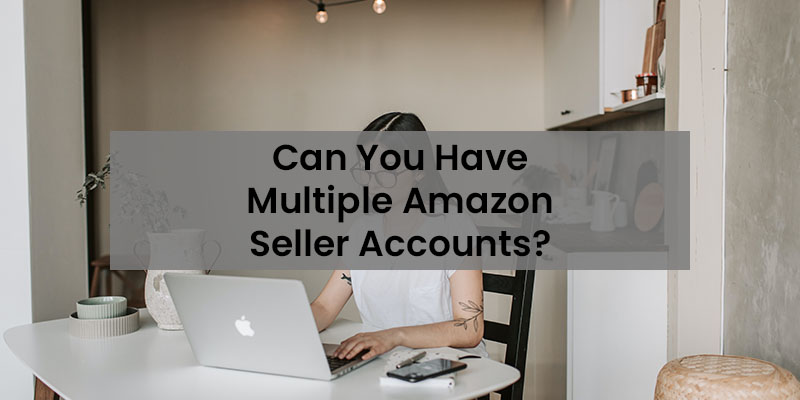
(15, 286)
(762, 221)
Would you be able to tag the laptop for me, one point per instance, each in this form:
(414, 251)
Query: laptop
(254, 324)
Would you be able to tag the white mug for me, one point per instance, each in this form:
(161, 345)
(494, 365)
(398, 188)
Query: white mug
(605, 205)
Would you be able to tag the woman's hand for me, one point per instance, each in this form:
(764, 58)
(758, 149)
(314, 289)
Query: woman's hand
(378, 342)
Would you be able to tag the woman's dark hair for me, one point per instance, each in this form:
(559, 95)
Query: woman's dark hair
(396, 122)
(404, 131)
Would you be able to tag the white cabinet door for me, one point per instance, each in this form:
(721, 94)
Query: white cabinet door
(624, 27)
(572, 60)
(616, 333)
(592, 48)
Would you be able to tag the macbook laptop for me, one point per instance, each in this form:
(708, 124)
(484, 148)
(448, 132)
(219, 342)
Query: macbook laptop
(254, 324)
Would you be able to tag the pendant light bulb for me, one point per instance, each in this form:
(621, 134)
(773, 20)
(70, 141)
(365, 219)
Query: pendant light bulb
(322, 15)
(379, 6)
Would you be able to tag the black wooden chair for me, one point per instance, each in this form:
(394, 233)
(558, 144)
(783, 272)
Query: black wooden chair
(520, 287)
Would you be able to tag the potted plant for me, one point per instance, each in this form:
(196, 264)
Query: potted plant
(171, 250)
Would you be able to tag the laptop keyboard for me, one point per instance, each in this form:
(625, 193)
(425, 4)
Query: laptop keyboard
(335, 362)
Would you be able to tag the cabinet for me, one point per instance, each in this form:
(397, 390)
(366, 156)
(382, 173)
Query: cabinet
(592, 48)
(616, 331)
(616, 325)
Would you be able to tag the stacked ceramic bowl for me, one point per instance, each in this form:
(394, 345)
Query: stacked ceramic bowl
(105, 316)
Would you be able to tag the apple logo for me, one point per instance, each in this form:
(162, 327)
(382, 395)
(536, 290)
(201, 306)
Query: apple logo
(243, 326)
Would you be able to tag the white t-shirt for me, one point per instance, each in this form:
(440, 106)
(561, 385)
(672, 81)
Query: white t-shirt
(390, 298)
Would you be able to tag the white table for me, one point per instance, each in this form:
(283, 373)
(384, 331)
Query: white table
(156, 364)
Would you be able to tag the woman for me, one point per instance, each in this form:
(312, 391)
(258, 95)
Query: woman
(413, 308)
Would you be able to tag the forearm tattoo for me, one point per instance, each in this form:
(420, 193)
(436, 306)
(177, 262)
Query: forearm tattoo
(473, 308)
(347, 279)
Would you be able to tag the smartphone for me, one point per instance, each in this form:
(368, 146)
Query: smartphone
(428, 369)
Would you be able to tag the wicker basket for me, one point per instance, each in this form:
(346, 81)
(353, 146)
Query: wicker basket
(715, 377)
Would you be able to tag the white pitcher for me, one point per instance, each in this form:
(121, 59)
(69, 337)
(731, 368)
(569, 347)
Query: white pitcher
(179, 251)
(603, 213)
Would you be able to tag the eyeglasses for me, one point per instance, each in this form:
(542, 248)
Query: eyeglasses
(384, 179)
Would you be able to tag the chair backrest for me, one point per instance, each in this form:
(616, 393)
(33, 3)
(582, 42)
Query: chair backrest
(520, 287)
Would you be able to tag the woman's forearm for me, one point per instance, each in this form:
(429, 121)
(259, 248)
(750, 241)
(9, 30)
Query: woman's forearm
(322, 315)
(332, 299)
(440, 334)
(466, 328)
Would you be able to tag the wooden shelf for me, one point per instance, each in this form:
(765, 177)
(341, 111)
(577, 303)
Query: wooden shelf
(652, 102)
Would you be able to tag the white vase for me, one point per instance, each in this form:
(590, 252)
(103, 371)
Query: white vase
(181, 252)
(158, 300)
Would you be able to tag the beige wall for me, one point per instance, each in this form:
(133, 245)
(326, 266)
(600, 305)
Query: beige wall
(267, 65)
(54, 83)
(695, 57)
(43, 233)
(15, 287)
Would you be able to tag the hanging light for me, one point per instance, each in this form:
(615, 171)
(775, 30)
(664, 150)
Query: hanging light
(379, 6)
(322, 15)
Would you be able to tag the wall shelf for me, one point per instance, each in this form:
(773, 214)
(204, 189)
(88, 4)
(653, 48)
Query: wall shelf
(648, 103)
(651, 102)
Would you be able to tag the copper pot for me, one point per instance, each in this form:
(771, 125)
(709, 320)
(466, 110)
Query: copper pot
(628, 95)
